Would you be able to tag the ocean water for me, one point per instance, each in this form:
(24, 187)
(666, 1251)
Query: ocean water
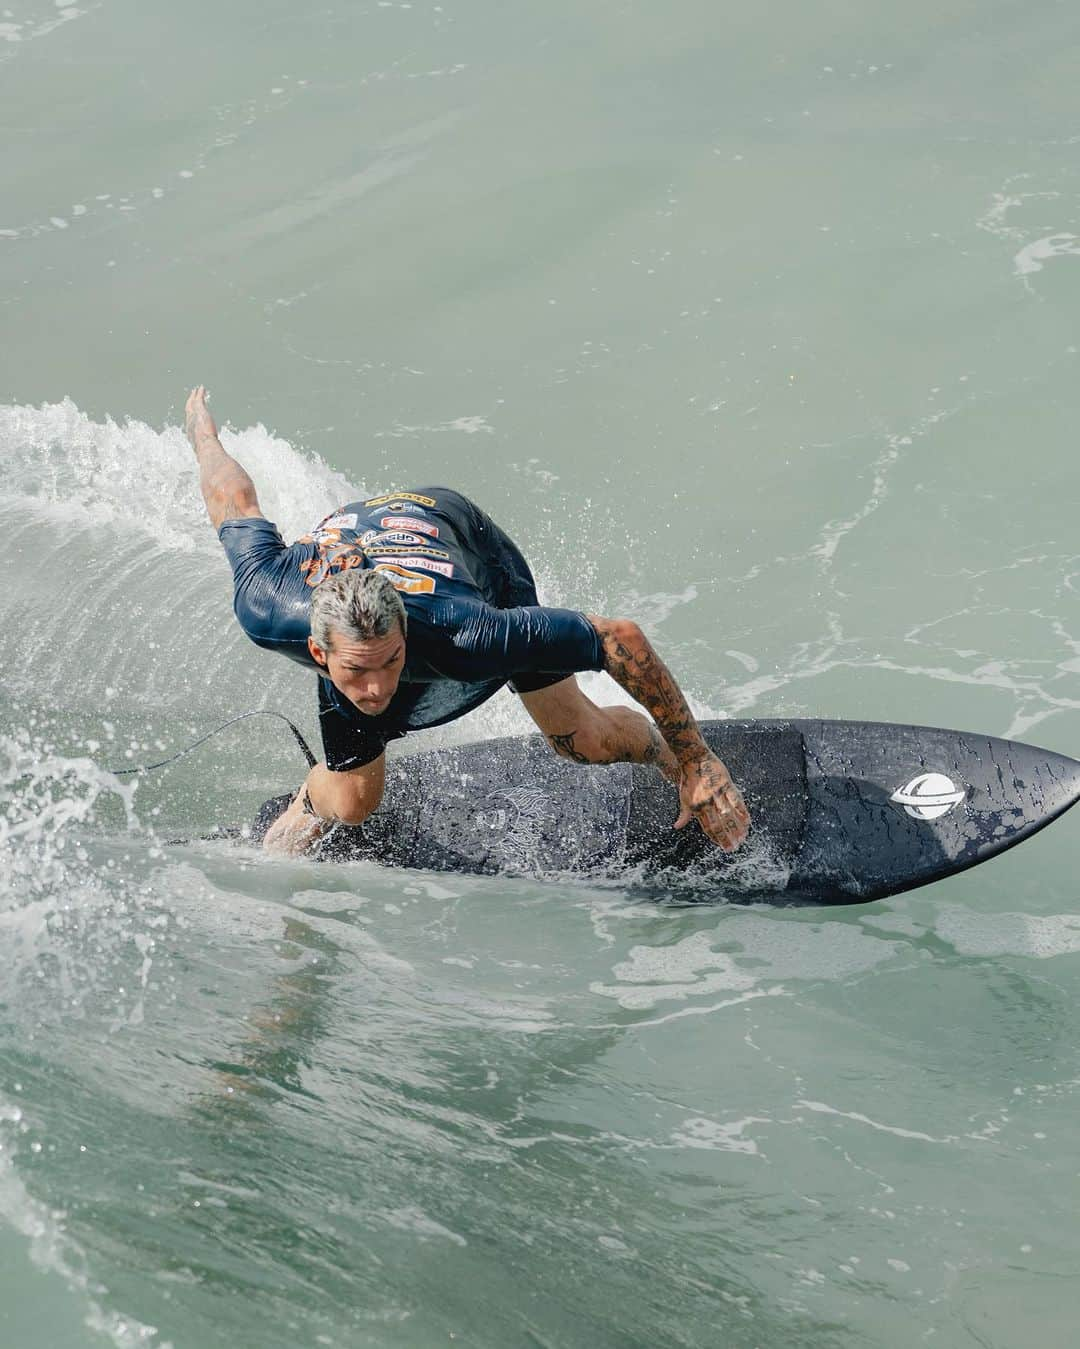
(757, 325)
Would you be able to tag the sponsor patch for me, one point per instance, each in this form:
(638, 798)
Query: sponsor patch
(400, 536)
(393, 549)
(411, 582)
(396, 506)
(390, 536)
(429, 564)
(407, 522)
(391, 499)
(321, 536)
(342, 520)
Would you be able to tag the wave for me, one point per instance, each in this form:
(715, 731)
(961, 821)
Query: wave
(117, 592)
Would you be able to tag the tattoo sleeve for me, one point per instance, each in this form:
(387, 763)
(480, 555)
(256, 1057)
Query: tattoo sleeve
(631, 661)
(655, 751)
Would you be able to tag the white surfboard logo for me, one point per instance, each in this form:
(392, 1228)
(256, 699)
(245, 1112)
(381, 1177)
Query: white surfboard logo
(928, 796)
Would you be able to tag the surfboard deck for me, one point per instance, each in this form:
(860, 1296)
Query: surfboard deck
(843, 812)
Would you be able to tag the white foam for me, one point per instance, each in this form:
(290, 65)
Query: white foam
(1038, 936)
(1034, 256)
(650, 610)
(698, 1132)
(888, 921)
(898, 1131)
(63, 466)
(44, 797)
(767, 949)
(55, 903)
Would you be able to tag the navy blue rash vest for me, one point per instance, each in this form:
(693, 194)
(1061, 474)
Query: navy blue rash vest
(473, 618)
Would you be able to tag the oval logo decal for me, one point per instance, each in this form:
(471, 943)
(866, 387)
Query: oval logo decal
(928, 796)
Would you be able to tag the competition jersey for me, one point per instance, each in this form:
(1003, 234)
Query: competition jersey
(462, 582)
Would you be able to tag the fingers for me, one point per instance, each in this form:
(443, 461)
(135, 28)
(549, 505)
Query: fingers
(197, 416)
(717, 826)
(723, 817)
(722, 827)
(739, 810)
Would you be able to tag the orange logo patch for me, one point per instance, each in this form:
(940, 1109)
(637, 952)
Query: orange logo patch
(411, 582)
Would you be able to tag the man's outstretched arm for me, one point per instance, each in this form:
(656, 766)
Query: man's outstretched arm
(227, 490)
(706, 791)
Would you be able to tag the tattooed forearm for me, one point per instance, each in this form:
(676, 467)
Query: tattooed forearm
(564, 745)
(655, 751)
(658, 753)
(631, 661)
(706, 791)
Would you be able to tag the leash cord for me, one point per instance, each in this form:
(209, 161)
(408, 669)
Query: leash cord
(149, 767)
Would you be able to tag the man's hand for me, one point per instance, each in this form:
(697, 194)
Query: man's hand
(707, 794)
(197, 419)
(227, 490)
(706, 791)
(294, 831)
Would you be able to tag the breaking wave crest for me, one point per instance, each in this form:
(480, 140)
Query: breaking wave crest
(112, 569)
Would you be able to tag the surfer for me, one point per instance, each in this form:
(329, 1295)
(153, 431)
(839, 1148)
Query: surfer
(414, 607)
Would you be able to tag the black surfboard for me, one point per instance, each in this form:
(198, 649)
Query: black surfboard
(843, 812)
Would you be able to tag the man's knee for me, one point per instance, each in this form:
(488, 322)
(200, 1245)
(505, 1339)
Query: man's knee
(594, 738)
(352, 810)
(574, 745)
(574, 727)
(350, 797)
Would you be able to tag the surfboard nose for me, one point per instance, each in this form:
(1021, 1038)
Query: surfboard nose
(1072, 769)
(1054, 779)
(894, 807)
(1025, 786)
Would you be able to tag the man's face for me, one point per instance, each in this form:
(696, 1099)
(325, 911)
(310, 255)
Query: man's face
(367, 673)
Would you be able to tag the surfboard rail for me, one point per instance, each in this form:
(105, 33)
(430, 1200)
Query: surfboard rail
(843, 811)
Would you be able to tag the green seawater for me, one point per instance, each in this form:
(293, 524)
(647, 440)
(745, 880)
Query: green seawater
(757, 325)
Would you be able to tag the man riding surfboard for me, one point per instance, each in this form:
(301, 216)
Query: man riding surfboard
(414, 607)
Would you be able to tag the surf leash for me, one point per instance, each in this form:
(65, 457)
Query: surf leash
(149, 767)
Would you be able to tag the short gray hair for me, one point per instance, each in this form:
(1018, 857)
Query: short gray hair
(359, 604)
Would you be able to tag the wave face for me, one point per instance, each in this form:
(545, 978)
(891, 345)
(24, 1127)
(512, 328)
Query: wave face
(113, 569)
